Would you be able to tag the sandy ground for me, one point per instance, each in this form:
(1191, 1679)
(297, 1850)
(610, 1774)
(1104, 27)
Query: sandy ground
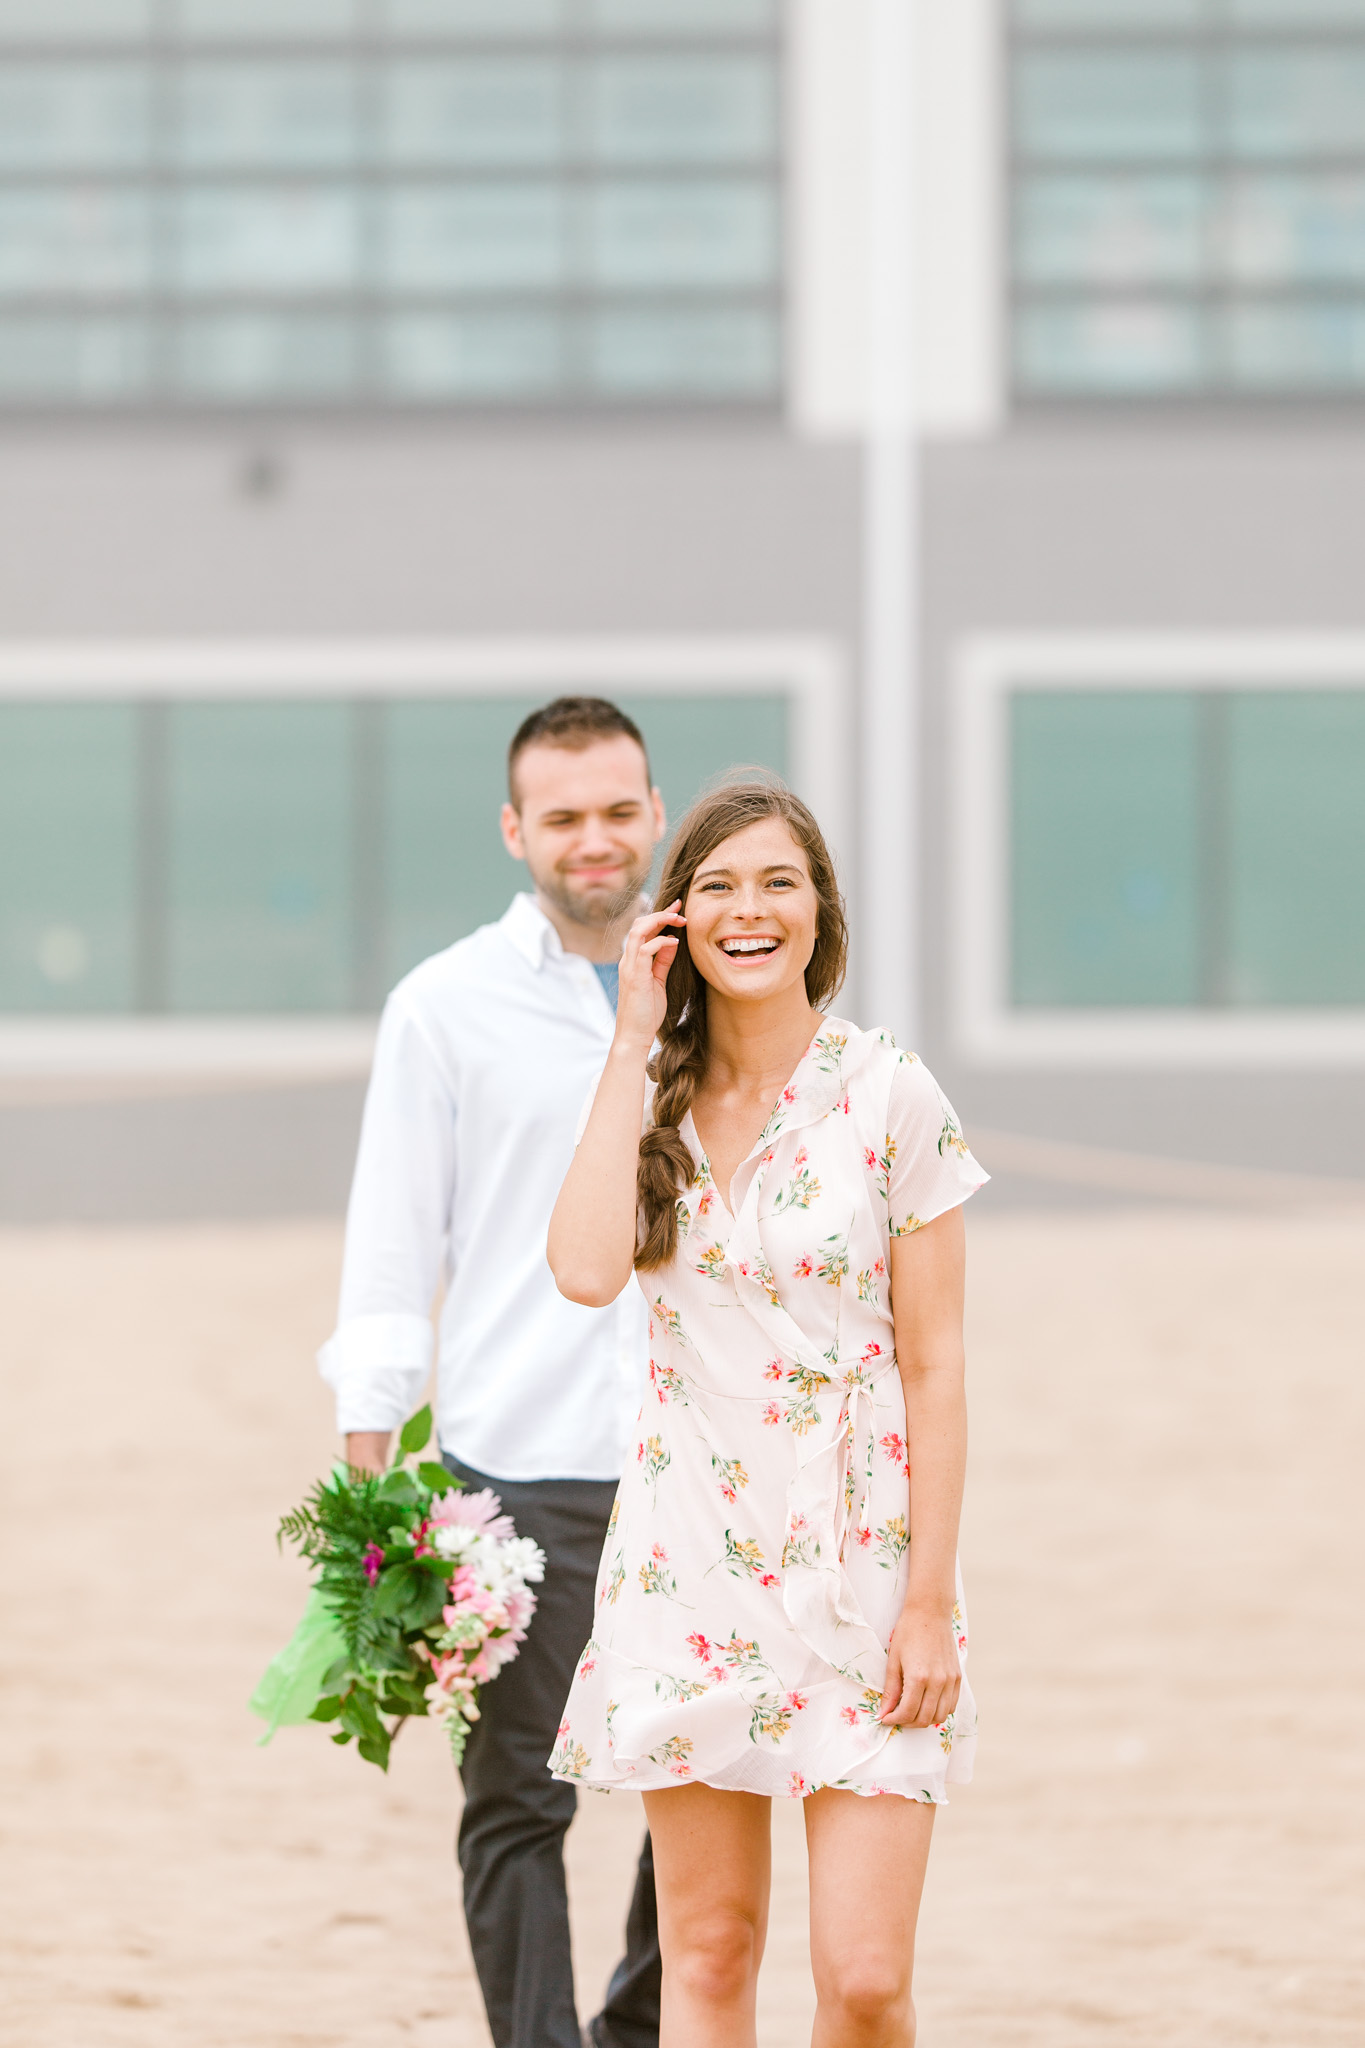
(1166, 1839)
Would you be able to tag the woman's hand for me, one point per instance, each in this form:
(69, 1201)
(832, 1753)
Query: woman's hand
(642, 998)
(923, 1675)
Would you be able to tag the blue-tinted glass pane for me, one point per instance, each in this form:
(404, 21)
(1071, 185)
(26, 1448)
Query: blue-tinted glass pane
(683, 110)
(708, 233)
(259, 882)
(1110, 230)
(260, 21)
(478, 111)
(262, 116)
(1297, 230)
(1297, 859)
(68, 856)
(78, 240)
(701, 354)
(282, 238)
(502, 19)
(482, 238)
(1289, 103)
(1101, 16)
(1133, 347)
(445, 782)
(688, 749)
(1139, 104)
(1105, 847)
(74, 116)
(1297, 347)
(673, 18)
(266, 355)
(434, 356)
(57, 21)
(82, 359)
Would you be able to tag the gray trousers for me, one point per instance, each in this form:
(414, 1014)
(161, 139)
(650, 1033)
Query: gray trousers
(511, 1845)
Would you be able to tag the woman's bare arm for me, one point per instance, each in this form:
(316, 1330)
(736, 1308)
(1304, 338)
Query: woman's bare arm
(928, 1276)
(591, 1246)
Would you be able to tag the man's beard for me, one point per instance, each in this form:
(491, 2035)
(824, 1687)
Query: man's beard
(600, 911)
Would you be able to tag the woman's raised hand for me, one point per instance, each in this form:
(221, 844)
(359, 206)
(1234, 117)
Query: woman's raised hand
(648, 954)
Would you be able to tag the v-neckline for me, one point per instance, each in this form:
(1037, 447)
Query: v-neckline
(759, 1142)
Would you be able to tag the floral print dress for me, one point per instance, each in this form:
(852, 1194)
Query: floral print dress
(757, 1557)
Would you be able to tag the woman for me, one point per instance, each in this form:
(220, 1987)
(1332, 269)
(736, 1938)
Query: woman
(778, 1610)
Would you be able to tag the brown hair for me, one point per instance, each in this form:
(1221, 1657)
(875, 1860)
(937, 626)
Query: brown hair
(678, 1065)
(572, 722)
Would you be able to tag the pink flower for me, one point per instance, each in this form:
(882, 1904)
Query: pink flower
(869, 1155)
(789, 1093)
(797, 1788)
(699, 1645)
(863, 1538)
(795, 1700)
(372, 1560)
(842, 1103)
(680, 1770)
(774, 1369)
(473, 1511)
(770, 1579)
(872, 1351)
(879, 1266)
(798, 1521)
(658, 1552)
(801, 1157)
(803, 1268)
(772, 1414)
(717, 1673)
(893, 1443)
(848, 1714)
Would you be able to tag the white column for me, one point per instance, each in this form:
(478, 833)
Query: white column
(889, 946)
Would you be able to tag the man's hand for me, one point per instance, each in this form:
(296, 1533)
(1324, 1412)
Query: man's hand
(367, 1450)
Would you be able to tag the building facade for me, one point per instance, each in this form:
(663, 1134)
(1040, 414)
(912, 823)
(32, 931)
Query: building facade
(370, 371)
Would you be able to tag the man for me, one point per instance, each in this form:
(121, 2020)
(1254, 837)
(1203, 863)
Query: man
(484, 1058)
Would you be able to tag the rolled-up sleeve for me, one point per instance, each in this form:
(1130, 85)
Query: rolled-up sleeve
(378, 1358)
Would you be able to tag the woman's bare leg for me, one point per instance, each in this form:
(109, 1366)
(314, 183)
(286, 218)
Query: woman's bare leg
(712, 1870)
(867, 1860)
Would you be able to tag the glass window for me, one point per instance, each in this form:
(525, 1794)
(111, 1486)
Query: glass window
(74, 117)
(491, 111)
(714, 234)
(1188, 848)
(1189, 197)
(1296, 771)
(491, 356)
(243, 856)
(288, 239)
(258, 877)
(58, 360)
(84, 241)
(68, 856)
(592, 186)
(274, 116)
(683, 110)
(1105, 845)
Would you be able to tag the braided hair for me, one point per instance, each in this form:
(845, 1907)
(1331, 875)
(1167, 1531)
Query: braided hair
(679, 1062)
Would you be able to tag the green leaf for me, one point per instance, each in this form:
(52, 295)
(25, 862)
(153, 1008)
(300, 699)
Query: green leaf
(415, 1434)
(399, 1489)
(436, 1477)
(343, 1738)
(375, 1750)
(326, 1710)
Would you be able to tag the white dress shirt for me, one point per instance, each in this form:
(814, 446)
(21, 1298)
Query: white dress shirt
(485, 1055)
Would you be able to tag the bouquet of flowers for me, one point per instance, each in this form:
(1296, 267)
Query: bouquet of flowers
(422, 1592)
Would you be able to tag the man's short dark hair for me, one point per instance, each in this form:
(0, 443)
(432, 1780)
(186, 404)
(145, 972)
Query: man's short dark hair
(575, 723)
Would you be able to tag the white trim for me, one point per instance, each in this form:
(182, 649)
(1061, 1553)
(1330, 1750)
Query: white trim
(162, 1048)
(986, 1029)
(812, 673)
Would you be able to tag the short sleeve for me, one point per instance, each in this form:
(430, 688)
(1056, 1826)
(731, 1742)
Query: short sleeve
(930, 1169)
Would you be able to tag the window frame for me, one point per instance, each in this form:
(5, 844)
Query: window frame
(987, 1028)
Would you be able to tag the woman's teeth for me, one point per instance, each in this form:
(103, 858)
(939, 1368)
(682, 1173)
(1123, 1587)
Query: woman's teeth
(733, 946)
